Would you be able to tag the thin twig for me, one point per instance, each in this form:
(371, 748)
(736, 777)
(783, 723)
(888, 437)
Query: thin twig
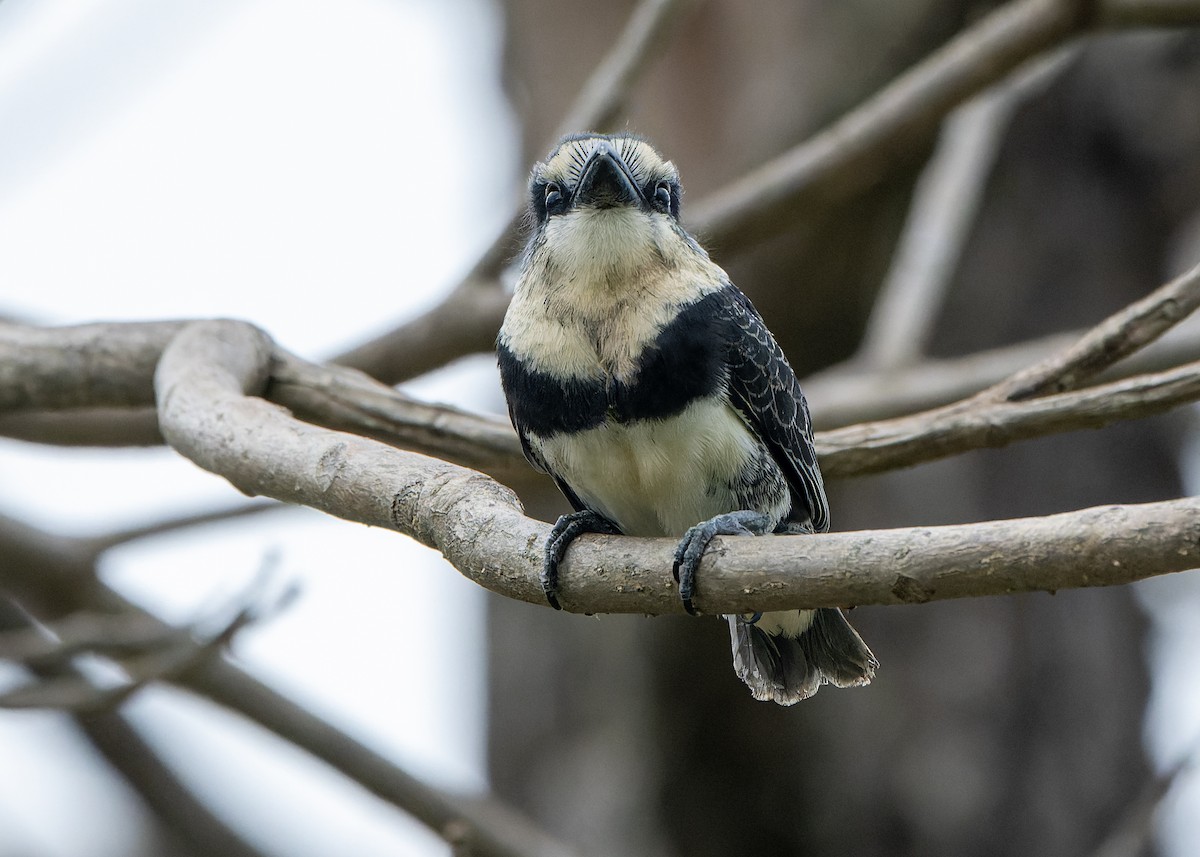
(135, 759)
(175, 523)
(603, 98)
(175, 652)
(494, 829)
(1148, 13)
(862, 146)
(60, 641)
(843, 396)
(1118, 336)
(956, 428)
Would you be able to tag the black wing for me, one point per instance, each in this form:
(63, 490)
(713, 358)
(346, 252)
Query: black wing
(763, 387)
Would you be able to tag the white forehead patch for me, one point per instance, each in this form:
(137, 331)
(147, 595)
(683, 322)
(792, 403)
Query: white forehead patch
(566, 163)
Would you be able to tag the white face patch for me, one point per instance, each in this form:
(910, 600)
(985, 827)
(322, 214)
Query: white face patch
(567, 163)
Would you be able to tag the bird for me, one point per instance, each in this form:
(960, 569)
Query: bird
(648, 387)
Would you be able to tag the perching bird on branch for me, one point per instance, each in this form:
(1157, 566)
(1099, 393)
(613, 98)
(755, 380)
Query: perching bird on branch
(647, 385)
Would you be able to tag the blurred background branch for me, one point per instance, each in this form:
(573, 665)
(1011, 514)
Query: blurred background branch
(341, 398)
(120, 743)
(489, 828)
(467, 320)
(944, 208)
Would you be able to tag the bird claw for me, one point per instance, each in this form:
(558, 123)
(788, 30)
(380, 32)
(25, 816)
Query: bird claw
(695, 542)
(566, 530)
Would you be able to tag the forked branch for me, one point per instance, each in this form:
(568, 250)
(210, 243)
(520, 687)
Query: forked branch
(207, 382)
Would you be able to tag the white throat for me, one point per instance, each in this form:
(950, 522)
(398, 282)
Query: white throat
(603, 247)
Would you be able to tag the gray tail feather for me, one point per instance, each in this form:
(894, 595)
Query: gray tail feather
(788, 669)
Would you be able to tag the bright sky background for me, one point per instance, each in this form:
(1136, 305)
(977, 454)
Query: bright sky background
(302, 165)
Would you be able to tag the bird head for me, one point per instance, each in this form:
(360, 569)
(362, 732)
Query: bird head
(621, 173)
(603, 206)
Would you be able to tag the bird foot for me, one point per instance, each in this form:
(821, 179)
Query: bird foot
(566, 530)
(696, 540)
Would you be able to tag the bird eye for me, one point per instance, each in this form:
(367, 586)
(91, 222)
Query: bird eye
(554, 198)
(662, 194)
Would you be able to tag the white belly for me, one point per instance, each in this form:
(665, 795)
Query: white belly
(657, 477)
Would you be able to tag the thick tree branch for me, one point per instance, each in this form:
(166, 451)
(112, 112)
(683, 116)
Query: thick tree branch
(207, 371)
(349, 401)
(96, 427)
(82, 367)
(341, 398)
(205, 413)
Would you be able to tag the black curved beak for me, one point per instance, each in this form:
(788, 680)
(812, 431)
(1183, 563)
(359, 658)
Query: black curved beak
(607, 181)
